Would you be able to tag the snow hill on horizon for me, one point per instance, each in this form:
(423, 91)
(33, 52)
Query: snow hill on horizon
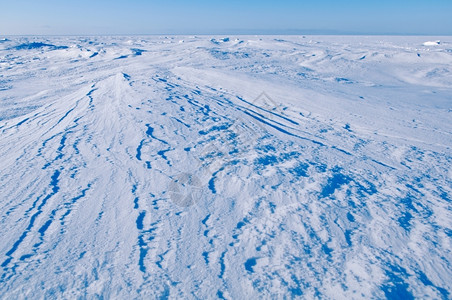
(226, 167)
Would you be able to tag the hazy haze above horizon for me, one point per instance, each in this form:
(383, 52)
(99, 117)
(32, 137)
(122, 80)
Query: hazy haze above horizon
(421, 17)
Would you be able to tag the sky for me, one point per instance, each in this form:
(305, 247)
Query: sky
(91, 17)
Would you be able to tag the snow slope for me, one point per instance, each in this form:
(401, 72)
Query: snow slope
(239, 168)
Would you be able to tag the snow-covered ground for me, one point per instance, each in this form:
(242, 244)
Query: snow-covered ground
(244, 167)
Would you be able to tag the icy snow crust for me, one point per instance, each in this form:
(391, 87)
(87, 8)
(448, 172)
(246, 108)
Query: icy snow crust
(225, 167)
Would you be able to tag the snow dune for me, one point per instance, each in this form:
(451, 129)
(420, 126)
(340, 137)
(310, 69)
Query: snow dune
(225, 167)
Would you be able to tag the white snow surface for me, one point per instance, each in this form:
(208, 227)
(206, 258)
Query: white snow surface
(432, 43)
(241, 167)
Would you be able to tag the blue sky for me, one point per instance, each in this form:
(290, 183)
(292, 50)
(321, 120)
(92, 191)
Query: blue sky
(429, 17)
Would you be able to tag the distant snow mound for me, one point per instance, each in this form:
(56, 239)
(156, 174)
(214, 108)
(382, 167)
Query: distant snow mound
(34, 45)
(432, 43)
(137, 52)
(3, 40)
(223, 40)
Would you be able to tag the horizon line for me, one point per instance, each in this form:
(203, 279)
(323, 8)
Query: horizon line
(238, 31)
(232, 33)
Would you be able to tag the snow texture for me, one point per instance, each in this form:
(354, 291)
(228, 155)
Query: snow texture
(240, 167)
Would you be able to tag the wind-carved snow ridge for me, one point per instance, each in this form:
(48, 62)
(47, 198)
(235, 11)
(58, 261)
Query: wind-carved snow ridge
(225, 167)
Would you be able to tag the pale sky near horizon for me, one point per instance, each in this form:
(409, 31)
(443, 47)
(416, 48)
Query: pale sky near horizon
(422, 17)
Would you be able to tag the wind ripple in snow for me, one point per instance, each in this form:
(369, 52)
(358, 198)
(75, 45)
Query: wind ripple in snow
(303, 167)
